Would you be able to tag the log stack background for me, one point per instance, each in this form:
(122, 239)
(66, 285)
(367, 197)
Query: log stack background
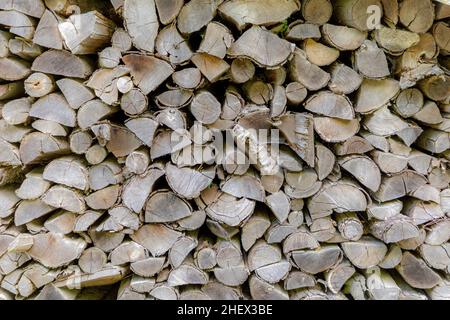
(98, 202)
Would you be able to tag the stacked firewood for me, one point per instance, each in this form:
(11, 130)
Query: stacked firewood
(132, 164)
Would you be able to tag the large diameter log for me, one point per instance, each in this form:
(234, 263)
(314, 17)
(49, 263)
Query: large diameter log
(270, 51)
(62, 63)
(242, 13)
(64, 250)
(365, 253)
(408, 11)
(319, 260)
(141, 22)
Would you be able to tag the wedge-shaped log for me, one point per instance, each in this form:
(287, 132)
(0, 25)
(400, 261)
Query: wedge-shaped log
(87, 32)
(164, 206)
(63, 249)
(143, 70)
(242, 13)
(157, 238)
(262, 47)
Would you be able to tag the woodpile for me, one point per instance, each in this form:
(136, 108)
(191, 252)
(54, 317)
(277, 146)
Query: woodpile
(132, 164)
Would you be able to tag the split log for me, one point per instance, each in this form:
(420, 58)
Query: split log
(314, 79)
(170, 43)
(302, 31)
(408, 11)
(242, 13)
(416, 273)
(96, 32)
(62, 63)
(364, 170)
(320, 54)
(18, 23)
(14, 69)
(143, 69)
(196, 14)
(168, 10)
(210, 66)
(365, 253)
(141, 22)
(261, 52)
(371, 61)
(374, 94)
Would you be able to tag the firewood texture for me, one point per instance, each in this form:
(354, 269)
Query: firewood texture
(225, 149)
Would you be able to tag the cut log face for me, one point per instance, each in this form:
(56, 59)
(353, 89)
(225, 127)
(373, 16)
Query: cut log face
(141, 22)
(354, 13)
(64, 249)
(165, 207)
(331, 105)
(196, 14)
(170, 43)
(366, 253)
(248, 46)
(343, 38)
(242, 13)
(211, 149)
(314, 79)
(62, 63)
(364, 170)
(96, 32)
(416, 273)
(143, 69)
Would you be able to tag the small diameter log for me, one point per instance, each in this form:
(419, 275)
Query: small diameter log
(295, 93)
(96, 154)
(124, 84)
(349, 226)
(39, 84)
(133, 102)
(242, 70)
(80, 142)
(205, 107)
(109, 57)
